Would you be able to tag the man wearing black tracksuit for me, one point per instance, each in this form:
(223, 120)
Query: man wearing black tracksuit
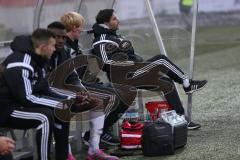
(107, 45)
(117, 107)
(26, 100)
(114, 107)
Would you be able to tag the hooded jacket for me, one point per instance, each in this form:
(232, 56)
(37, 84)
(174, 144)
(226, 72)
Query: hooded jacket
(72, 47)
(59, 57)
(104, 36)
(21, 81)
(72, 50)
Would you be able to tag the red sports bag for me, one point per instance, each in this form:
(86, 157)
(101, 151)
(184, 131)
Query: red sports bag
(131, 135)
(155, 107)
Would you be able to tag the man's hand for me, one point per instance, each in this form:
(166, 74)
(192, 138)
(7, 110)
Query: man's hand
(125, 45)
(82, 98)
(96, 101)
(7, 145)
(111, 47)
(85, 98)
(85, 102)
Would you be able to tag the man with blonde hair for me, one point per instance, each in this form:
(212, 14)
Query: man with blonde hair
(74, 23)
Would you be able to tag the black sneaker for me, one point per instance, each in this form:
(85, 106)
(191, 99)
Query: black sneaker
(109, 139)
(195, 86)
(106, 138)
(193, 126)
(86, 137)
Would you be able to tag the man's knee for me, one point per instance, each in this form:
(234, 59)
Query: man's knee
(47, 114)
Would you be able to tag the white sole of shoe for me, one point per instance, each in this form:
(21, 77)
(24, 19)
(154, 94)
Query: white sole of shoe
(109, 143)
(194, 128)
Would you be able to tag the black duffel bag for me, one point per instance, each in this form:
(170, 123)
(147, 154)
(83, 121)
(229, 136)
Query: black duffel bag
(157, 139)
(180, 136)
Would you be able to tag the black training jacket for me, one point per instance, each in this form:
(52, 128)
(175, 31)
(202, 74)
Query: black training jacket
(23, 82)
(59, 57)
(103, 35)
(72, 47)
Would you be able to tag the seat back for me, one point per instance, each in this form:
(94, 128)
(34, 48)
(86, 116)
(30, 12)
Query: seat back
(4, 49)
(85, 42)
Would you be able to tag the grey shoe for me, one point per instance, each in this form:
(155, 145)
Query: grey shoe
(193, 126)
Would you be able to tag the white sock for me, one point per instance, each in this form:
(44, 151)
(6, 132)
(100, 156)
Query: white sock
(186, 83)
(69, 149)
(96, 126)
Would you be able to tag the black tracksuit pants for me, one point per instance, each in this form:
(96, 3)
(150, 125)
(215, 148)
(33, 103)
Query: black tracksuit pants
(6, 157)
(35, 117)
(27, 118)
(174, 73)
(173, 98)
(61, 134)
(117, 108)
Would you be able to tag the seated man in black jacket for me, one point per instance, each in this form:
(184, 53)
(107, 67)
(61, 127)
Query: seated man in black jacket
(108, 45)
(24, 101)
(74, 24)
(97, 121)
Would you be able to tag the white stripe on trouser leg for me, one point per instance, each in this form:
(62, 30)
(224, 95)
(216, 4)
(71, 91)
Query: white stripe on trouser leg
(45, 129)
(159, 62)
(162, 62)
(44, 126)
(39, 127)
(111, 101)
(110, 104)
